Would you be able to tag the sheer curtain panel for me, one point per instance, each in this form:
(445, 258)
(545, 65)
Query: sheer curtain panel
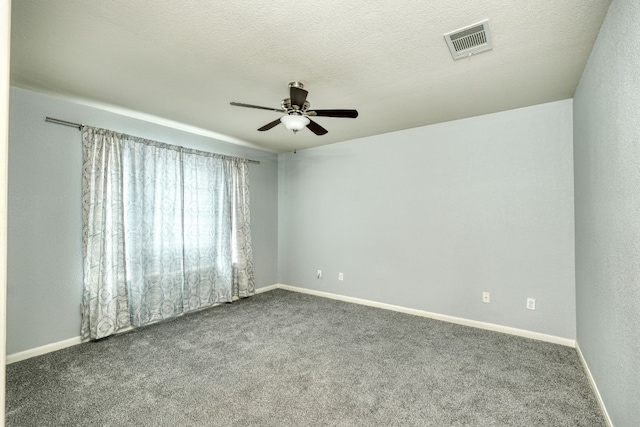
(243, 281)
(105, 297)
(152, 196)
(166, 230)
(207, 229)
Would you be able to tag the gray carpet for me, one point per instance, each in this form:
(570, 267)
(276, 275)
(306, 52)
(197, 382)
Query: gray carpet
(287, 359)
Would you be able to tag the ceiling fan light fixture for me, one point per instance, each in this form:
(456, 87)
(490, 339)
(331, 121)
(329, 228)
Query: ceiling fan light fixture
(297, 112)
(295, 122)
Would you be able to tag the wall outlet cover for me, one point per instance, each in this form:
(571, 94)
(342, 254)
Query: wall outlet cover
(531, 303)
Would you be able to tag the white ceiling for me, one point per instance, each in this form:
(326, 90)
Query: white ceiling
(186, 60)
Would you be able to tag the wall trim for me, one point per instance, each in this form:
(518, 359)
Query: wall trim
(443, 317)
(267, 288)
(48, 348)
(594, 387)
(59, 345)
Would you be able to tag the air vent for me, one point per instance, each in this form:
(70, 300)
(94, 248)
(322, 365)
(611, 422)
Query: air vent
(469, 40)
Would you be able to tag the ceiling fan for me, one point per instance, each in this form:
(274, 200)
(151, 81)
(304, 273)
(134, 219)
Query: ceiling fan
(297, 112)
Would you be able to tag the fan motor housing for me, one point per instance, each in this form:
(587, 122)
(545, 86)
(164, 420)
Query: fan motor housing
(286, 105)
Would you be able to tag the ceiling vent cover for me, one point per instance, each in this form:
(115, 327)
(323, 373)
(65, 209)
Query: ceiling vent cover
(469, 40)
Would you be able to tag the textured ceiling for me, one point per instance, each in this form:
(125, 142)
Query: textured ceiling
(184, 61)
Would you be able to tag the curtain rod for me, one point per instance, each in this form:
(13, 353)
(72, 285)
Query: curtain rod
(81, 125)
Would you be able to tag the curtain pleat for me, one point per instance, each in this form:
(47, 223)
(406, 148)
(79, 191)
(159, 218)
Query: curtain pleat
(243, 278)
(166, 230)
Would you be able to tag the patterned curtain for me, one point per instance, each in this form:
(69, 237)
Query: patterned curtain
(207, 226)
(152, 196)
(243, 279)
(105, 297)
(166, 230)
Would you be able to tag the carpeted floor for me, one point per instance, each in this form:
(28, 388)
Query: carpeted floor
(287, 359)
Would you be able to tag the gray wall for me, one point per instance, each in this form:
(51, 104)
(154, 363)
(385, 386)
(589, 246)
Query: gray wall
(44, 225)
(429, 218)
(607, 205)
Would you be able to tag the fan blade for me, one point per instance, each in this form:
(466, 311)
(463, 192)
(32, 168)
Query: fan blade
(316, 128)
(269, 125)
(298, 96)
(239, 104)
(351, 114)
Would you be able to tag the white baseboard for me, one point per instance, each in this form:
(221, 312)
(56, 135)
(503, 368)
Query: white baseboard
(267, 288)
(27, 354)
(443, 317)
(16, 357)
(48, 348)
(594, 387)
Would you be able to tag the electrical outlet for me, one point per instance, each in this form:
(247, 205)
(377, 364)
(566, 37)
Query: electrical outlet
(319, 275)
(486, 297)
(340, 276)
(531, 303)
